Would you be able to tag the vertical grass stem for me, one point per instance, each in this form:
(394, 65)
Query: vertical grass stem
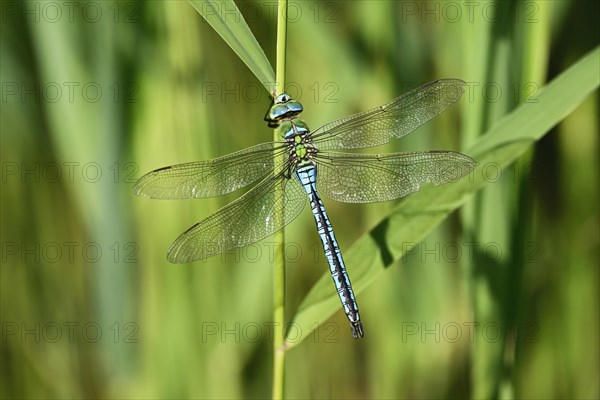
(279, 262)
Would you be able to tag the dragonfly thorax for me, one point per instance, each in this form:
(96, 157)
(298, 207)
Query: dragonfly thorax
(297, 135)
(293, 130)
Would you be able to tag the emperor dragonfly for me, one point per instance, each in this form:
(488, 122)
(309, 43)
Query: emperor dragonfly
(307, 169)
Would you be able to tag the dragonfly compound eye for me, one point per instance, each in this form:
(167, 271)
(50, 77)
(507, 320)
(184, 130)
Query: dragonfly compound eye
(284, 111)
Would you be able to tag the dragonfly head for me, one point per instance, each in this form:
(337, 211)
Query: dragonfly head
(283, 108)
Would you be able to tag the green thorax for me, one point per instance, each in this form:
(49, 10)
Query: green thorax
(292, 129)
(297, 134)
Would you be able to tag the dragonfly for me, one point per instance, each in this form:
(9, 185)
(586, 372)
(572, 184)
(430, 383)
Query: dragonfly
(303, 165)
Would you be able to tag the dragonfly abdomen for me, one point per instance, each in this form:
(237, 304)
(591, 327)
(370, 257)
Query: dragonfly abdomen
(306, 174)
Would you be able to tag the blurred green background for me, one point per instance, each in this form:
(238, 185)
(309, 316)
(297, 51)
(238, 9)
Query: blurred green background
(501, 301)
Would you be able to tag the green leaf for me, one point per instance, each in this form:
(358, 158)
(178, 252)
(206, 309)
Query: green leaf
(226, 19)
(417, 215)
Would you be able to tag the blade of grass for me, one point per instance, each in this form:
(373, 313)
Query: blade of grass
(494, 376)
(228, 22)
(412, 219)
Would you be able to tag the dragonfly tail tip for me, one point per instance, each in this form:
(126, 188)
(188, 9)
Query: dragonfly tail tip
(357, 329)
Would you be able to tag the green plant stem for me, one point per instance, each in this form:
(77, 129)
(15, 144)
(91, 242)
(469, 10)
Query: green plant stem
(279, 266)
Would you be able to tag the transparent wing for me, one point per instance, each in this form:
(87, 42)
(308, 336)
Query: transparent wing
(392, 120)
(209, 178)
(246, 220)
(362, 178)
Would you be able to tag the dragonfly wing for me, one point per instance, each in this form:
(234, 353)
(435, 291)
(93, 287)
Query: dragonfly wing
(392, 120)
(259, 213)
(209, 178)
(362, 178)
